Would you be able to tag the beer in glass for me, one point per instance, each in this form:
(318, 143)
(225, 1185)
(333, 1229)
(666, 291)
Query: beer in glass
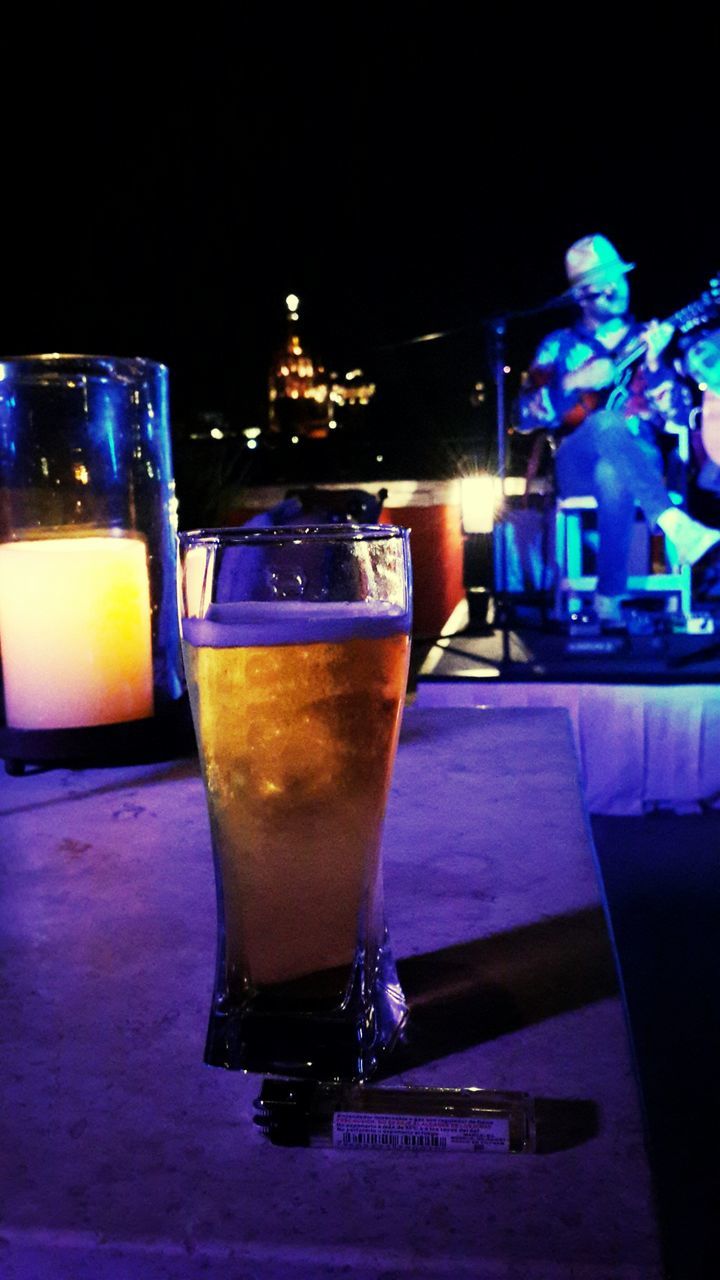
(296, 645)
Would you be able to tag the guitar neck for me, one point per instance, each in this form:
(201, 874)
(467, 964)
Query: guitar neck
(696, 313)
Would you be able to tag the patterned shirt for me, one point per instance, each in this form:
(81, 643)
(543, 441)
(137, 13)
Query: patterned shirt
(650, 399)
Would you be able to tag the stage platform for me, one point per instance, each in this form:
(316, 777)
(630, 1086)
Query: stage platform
(646, 715)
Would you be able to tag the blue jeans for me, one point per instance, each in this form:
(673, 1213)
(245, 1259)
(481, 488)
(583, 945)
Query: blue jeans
(603, 458)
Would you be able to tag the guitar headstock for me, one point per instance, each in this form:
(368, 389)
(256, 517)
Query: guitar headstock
(702, 311)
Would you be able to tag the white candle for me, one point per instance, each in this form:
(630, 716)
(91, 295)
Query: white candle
(75, 637)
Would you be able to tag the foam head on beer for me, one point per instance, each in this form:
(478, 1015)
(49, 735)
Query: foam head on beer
(274, 622)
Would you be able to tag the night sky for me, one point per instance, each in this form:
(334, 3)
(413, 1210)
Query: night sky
(405, 173)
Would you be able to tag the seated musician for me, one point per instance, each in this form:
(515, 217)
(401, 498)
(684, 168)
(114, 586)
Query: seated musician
(610, 434)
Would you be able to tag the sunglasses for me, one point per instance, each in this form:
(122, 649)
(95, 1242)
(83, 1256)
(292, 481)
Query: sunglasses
(589, 294)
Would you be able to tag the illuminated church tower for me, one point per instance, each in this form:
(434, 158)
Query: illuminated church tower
(303, 399)
(299, 393)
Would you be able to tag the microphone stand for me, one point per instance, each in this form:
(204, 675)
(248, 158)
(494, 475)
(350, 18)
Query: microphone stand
(498, 331)
(498, 364)
(497, 334)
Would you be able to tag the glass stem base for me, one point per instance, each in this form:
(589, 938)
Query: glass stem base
(268, 1034)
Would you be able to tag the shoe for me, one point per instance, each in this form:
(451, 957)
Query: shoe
(609, 612)
(690, 539)
(706, 578)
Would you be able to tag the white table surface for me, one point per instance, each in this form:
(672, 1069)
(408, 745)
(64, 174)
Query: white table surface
(124, 1157)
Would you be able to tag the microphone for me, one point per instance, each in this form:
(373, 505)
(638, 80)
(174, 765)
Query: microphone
(553, 304)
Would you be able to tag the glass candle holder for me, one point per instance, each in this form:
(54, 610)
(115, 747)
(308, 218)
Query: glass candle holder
(89, 639)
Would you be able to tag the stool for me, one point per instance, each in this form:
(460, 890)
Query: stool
(571, 583)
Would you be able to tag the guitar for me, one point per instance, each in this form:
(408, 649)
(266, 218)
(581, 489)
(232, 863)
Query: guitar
(710, 425)
(702, 361)
(696, 313)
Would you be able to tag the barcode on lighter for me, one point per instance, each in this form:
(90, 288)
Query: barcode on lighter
(365, 1129)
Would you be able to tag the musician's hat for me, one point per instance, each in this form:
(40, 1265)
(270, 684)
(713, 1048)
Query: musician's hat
(594, 260)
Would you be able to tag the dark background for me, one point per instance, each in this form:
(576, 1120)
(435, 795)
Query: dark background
(166, 180)
(407, 172)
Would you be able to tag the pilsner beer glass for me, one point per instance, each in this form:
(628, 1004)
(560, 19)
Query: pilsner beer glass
(296, 645)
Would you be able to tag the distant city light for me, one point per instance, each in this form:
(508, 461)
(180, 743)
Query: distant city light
(332, 424)
(506, 368)
(251, 433)
(216, 433)
(292, 302)
(379, 457)
(252, 444)
(294, 439)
